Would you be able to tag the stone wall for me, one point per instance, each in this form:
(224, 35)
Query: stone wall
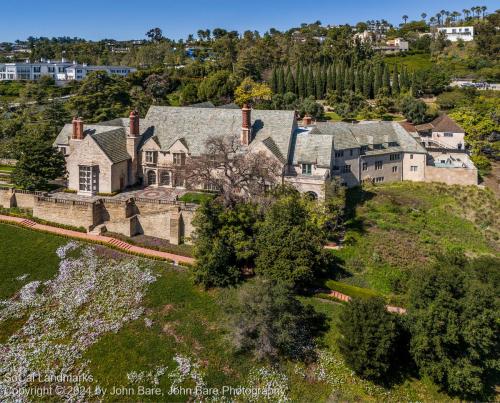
(69, 212)
(451, 176)
(18, 198)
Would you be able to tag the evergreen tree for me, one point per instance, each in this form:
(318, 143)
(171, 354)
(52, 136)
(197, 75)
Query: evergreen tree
(369, 334)
(377, 80)
(281, 80)
(324, 77)
(395, 81)
(358, 82)
(297, 71)
(310, 83)
(386, 80)
(274, 81)
(301, 83)
(347, 80)
(339, 81)
(290, 82)
(368, 83)
(334, 76)
(329, 77)
(318, 83)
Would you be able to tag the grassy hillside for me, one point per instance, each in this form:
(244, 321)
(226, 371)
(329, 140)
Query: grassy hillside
(177, 320)
(397, 228)
(412, 62)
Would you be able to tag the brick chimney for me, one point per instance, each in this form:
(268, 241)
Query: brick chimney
(307, 120)
(77, 129)
(246, 127)
(134, 123)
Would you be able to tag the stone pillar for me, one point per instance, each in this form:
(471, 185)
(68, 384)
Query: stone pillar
(175, 227)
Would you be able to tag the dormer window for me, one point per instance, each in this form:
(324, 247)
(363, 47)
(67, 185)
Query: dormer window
(179, 159)
(306, 169)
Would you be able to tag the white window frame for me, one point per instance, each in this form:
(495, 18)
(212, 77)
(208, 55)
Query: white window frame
(306, 169)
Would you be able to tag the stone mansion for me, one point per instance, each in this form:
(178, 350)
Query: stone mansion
(110, 156)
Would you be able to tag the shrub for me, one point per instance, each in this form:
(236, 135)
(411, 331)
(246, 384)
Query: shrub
(368, 337)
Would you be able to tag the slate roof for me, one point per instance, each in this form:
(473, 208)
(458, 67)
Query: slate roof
(113, 144)
(349, 135)
(312, 148)
(197, 125)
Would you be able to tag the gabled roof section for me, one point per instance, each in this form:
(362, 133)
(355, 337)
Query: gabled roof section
(113, 144)
(443, 123)
(271, 146)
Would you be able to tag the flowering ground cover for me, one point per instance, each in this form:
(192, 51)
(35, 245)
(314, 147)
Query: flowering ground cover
(126, 327)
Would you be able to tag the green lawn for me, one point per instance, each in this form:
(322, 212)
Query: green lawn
(25, 252)
(196, 197)
(189, 321)
(412, 62)
(398, 228)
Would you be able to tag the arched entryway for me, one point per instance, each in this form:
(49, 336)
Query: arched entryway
(312, 195)
(165, 178)
(151, 178)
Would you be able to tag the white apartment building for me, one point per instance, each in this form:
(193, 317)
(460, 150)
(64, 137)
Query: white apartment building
(455, 33)
(59, 71)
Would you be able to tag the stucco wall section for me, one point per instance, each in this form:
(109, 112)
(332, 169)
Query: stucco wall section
(418, 160)
(386, 170)
(451, 176)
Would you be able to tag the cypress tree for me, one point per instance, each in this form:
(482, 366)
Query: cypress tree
(297, 70)
(386, 80)
(300, 82)
(395, 81)
(329, 80)
(368, 83)
(290, 82)
(281, 80)
(318, 83)
(274, 81)
(339, 81)
(334, 76)
(403, 79)
(377, 79)
(310, 83)
(324, 78)
(358, 84)
(347, 80)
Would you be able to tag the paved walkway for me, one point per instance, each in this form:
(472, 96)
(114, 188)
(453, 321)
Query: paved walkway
(113, 242)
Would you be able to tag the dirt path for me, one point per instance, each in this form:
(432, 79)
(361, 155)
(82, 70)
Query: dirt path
(112, 242)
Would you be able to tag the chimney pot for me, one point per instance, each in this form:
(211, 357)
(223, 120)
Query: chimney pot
(307, 120)
(77, 128)
(134, 123)
(246, 127)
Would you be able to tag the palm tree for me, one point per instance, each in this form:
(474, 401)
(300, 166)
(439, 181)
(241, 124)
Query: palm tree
(424, 16)
(466, 13)
(404, 17)
(432, 20)
(483, 10)
(438, 16)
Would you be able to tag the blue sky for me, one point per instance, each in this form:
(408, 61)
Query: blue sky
(130, 19)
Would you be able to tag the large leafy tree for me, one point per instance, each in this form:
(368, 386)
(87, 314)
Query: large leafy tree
(454, 320)
(270, 322)
(100, 97)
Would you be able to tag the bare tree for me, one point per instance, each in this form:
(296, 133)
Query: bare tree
(235, 173)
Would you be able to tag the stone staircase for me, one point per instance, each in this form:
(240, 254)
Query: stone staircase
(119, 244)
(28, 223)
